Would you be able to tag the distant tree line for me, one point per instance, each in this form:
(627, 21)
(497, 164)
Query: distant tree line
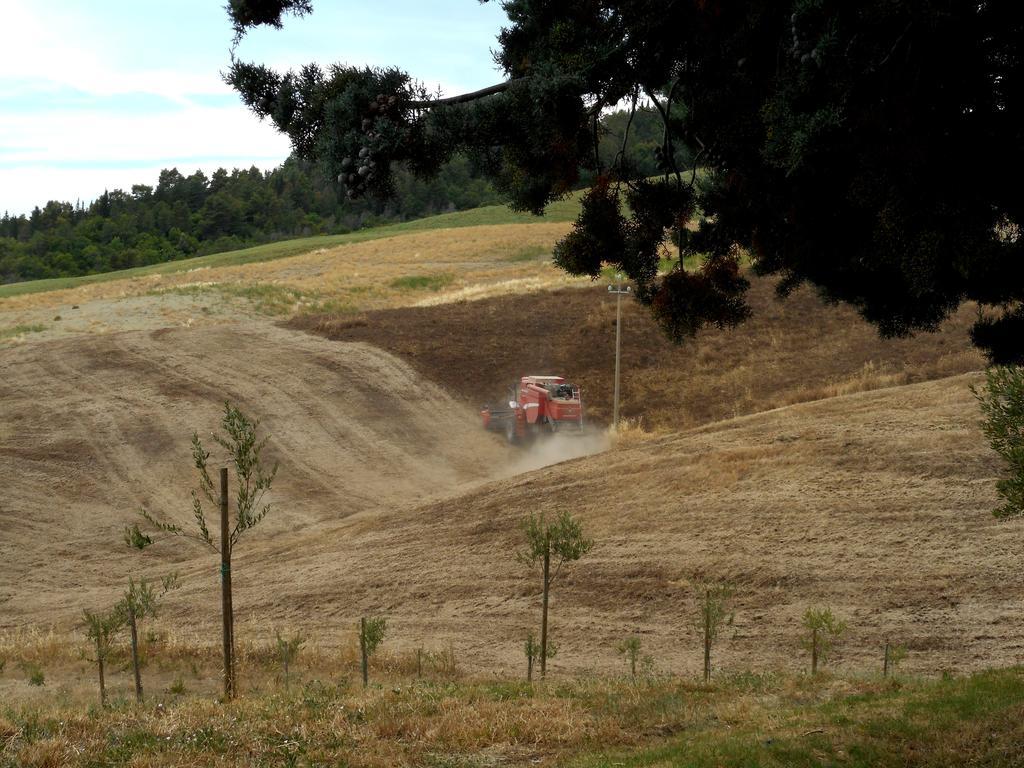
(184, 216)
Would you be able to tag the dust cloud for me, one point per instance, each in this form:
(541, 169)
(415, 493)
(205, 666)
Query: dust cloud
(553, 449)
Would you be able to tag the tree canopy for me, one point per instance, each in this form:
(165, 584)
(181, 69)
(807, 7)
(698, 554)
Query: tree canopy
(870, 149)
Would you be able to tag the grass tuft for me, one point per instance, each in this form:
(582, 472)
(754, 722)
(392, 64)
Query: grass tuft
(16, 331)
(422, 282)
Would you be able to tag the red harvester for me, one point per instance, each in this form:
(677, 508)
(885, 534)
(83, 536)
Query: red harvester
(537, 405)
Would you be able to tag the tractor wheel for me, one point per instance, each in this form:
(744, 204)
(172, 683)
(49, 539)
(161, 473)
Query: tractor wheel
(510, 432)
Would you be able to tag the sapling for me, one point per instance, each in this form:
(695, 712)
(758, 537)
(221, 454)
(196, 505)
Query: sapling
(561, 540)
(1002, 403)
(712, 614)
(244, 450)
(140, 601)
(630, 650)
(371, 634)
(100, 628)
(824, 629)
(532, 649)
(288, 650)
(894, 656)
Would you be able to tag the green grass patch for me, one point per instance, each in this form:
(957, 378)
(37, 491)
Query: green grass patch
(422, 282)
(529, 253)
(20, 330)
(563, 210)
(973, 721)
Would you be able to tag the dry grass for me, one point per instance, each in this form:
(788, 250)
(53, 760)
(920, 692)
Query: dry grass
(362, 275)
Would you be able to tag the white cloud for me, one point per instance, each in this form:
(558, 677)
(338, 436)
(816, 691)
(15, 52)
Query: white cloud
(62, 153)
(72, 156)
(96, 96)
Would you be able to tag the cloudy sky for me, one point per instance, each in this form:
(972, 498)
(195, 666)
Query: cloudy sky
(103, 94)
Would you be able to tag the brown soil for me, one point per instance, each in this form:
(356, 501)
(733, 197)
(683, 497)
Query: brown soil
(876, 504)
(790, 351)
(95, 428)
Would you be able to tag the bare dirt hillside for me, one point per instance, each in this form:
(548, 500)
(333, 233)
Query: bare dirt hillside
(876, 504)
(789, 351)
(96, 427)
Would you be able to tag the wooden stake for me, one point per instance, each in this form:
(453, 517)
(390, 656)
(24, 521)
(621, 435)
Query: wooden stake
(135, 652)
(362, 650)
(99, 661)
(225, 590)
(707, 636)
(814, 651)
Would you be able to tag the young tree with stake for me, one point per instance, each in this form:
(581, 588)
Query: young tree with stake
(371, 634)
(244, 449)
(140, 601)
(824, 628)
(712, 615)
(288, 650)
(100, 628)
(630, 650)
(561, 540)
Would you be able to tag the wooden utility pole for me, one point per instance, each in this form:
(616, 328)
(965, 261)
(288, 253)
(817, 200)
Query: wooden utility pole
(619, 290)
(225, 587)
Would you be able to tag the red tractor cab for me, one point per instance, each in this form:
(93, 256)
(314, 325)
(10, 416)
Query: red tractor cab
(537, 405)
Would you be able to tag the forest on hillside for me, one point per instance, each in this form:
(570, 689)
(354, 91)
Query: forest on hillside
(194, 215)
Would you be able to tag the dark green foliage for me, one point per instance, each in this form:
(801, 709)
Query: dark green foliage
(599, 231)
(249, 13)
(1002, 403)
(871, 149)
